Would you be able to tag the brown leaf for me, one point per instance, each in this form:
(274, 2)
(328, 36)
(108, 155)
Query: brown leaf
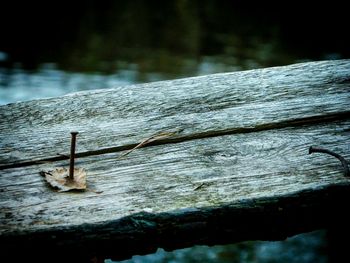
(59, 178)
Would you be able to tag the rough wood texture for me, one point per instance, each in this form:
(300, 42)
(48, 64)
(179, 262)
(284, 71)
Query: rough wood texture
(108, 119)
(237, 167)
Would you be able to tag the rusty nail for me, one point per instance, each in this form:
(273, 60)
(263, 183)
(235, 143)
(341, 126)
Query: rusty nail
(72, 155)
(338, 156)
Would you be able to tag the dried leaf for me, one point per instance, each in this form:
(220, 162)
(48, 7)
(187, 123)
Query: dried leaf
(59, 178)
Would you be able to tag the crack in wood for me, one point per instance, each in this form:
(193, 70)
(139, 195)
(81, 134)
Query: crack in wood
(201, 135)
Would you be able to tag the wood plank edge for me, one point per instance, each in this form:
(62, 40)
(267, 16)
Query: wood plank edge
(272, 218)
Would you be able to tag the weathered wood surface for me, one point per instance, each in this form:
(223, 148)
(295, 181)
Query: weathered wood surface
(237, 167)
(108, 119)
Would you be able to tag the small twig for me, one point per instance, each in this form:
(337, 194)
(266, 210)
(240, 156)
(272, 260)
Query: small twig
(339, 157)
(153, 138)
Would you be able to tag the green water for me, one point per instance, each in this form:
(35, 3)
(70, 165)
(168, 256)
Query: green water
(51, 48)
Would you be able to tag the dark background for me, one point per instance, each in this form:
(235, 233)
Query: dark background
(92, 35)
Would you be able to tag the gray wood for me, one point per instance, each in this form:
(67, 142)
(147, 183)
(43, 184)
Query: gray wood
(118, 118)
(192, 174)
(238, 168)
(163, 187)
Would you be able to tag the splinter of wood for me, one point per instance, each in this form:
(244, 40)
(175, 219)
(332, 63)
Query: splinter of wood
(72, 155)
(341, 158)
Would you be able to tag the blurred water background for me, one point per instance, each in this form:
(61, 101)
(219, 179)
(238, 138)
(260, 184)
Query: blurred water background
(51, 48)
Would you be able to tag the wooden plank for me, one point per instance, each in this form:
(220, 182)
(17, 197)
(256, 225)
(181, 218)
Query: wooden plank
(197, 173)
(116, 119)
(160, 188)
(236, 167)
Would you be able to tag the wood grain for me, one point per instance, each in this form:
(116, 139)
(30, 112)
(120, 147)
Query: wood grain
(173, 193)
(200, 173)
(112, 120)
(237, 167)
